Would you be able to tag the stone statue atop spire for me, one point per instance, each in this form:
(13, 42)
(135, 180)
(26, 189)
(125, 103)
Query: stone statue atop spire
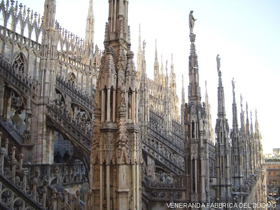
(233, 87)
(191, 21)
(218, 59)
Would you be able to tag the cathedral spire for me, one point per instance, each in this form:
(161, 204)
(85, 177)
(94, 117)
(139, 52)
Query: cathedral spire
(194, 88)
(139, 56)
(194, 128)
(172, 64)
(116, 97)
(49, 13)
(166, 75)
(222, 145)
(209, 116)
(183, 102)
(234, 109)
(247, 120)
(156, 64)
(251, 124)
(237, 145)
(172, 81)
(139, 38)
(89, 41)
(162, 77)
(118, 21)
(221, 98)
(183, 90)
(242, 117)
(156, 53)
(144, 58)
(257, 129)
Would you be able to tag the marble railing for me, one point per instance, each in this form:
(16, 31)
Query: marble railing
(177, 168)
(76, 94)
(21, 82)
(166, 141)
(26, 186)
(166, 194)
(175, 140)
(80, 131)
(59, 173)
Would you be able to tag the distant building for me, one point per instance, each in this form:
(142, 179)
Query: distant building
(276, 151)
(272, 166)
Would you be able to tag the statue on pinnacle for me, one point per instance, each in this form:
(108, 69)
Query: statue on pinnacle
(191, 21)
(218, 59)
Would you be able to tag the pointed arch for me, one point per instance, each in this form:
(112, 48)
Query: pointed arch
(129, 104)
(20, 63)
(71, 78)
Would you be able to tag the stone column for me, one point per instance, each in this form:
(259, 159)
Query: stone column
(108, 105)
(133, 107)
(102, 105)
(108, 186)
(2, 91)
(101, 198)
(114, 106)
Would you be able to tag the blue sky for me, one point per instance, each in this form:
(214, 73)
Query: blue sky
(246, 35)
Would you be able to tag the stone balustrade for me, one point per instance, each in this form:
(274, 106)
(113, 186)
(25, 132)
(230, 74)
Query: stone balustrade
(164, 194)
(81, 97)
(79, 130)
(21, 81)
(26, 186)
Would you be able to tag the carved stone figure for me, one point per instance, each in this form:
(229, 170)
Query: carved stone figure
(191, 21)
(218, 59)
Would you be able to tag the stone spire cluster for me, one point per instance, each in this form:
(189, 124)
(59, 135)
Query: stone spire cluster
(196, 152)
(173, 95)
(163, 95)
(139, 56)
(194, 88)
(156, 65)
(127, 134)
(209, 130)
(116, 150)
(89, 39)
(222, 145)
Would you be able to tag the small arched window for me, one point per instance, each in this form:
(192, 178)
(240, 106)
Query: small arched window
(19, 64)
(130, 104)
(72, 79)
